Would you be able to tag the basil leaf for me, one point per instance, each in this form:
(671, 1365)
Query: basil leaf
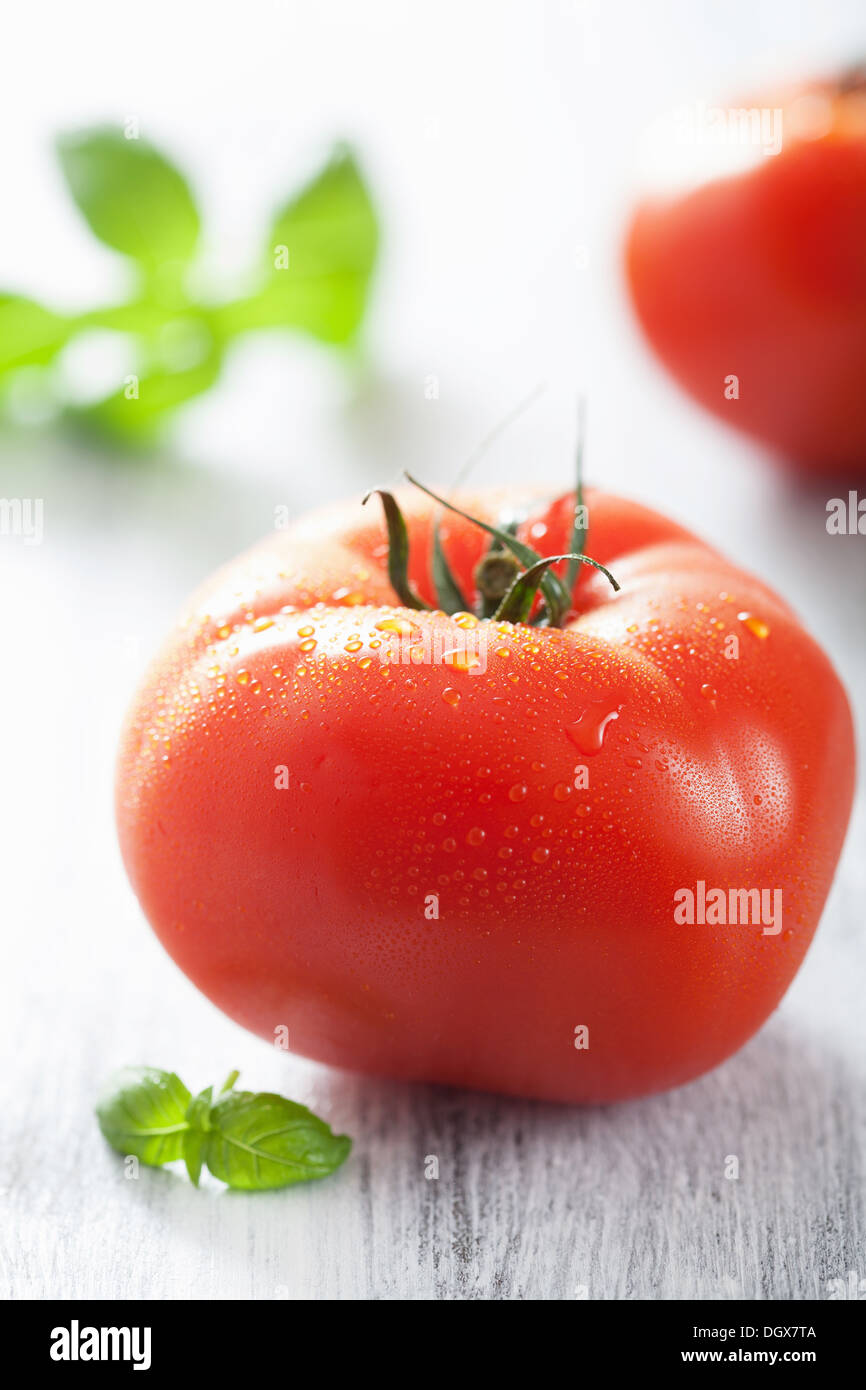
(259, 1141)
(140, 417)
(29, 334)
(329, 235)
(133, 198)
(198, 1115)
(142, 1111)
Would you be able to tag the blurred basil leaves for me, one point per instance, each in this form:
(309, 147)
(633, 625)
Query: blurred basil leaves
(312, 275)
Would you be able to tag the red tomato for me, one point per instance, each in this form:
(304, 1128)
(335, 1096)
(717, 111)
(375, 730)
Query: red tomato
(762, 276)
(448, 865)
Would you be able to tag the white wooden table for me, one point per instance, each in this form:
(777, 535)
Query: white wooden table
(483, 289)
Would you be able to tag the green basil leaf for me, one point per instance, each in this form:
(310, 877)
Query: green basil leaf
(137, 411)
(29, 334)
(321, 254)
(195, 1139)
(134, 199)
(142, 1111)
(261, 1140)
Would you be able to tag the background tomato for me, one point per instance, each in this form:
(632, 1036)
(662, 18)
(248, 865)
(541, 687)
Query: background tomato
(762, 275)
(470, 862)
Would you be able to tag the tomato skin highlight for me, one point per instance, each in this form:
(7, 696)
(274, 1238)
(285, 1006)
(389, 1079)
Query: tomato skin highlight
(306, 906)
(762, 276)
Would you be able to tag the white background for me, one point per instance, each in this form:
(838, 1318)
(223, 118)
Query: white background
(502, 141)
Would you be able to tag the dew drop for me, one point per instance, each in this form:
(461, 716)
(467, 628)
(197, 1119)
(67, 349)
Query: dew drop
(587, 733)
(758, 628)
(461, 660)
(399, 625)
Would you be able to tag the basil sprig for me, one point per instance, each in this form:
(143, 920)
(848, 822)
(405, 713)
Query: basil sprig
(175, 326)
(250, 1140)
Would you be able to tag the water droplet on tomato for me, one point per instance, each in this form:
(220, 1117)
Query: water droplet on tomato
(755, 625)
(461, 660)
(587, 732)
(399, 625)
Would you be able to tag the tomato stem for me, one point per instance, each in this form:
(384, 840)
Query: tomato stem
(505, 592)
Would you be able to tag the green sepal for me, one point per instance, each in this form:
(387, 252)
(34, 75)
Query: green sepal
(398, 550)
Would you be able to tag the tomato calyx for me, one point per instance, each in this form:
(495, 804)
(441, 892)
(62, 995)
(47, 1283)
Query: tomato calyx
(508, 579)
